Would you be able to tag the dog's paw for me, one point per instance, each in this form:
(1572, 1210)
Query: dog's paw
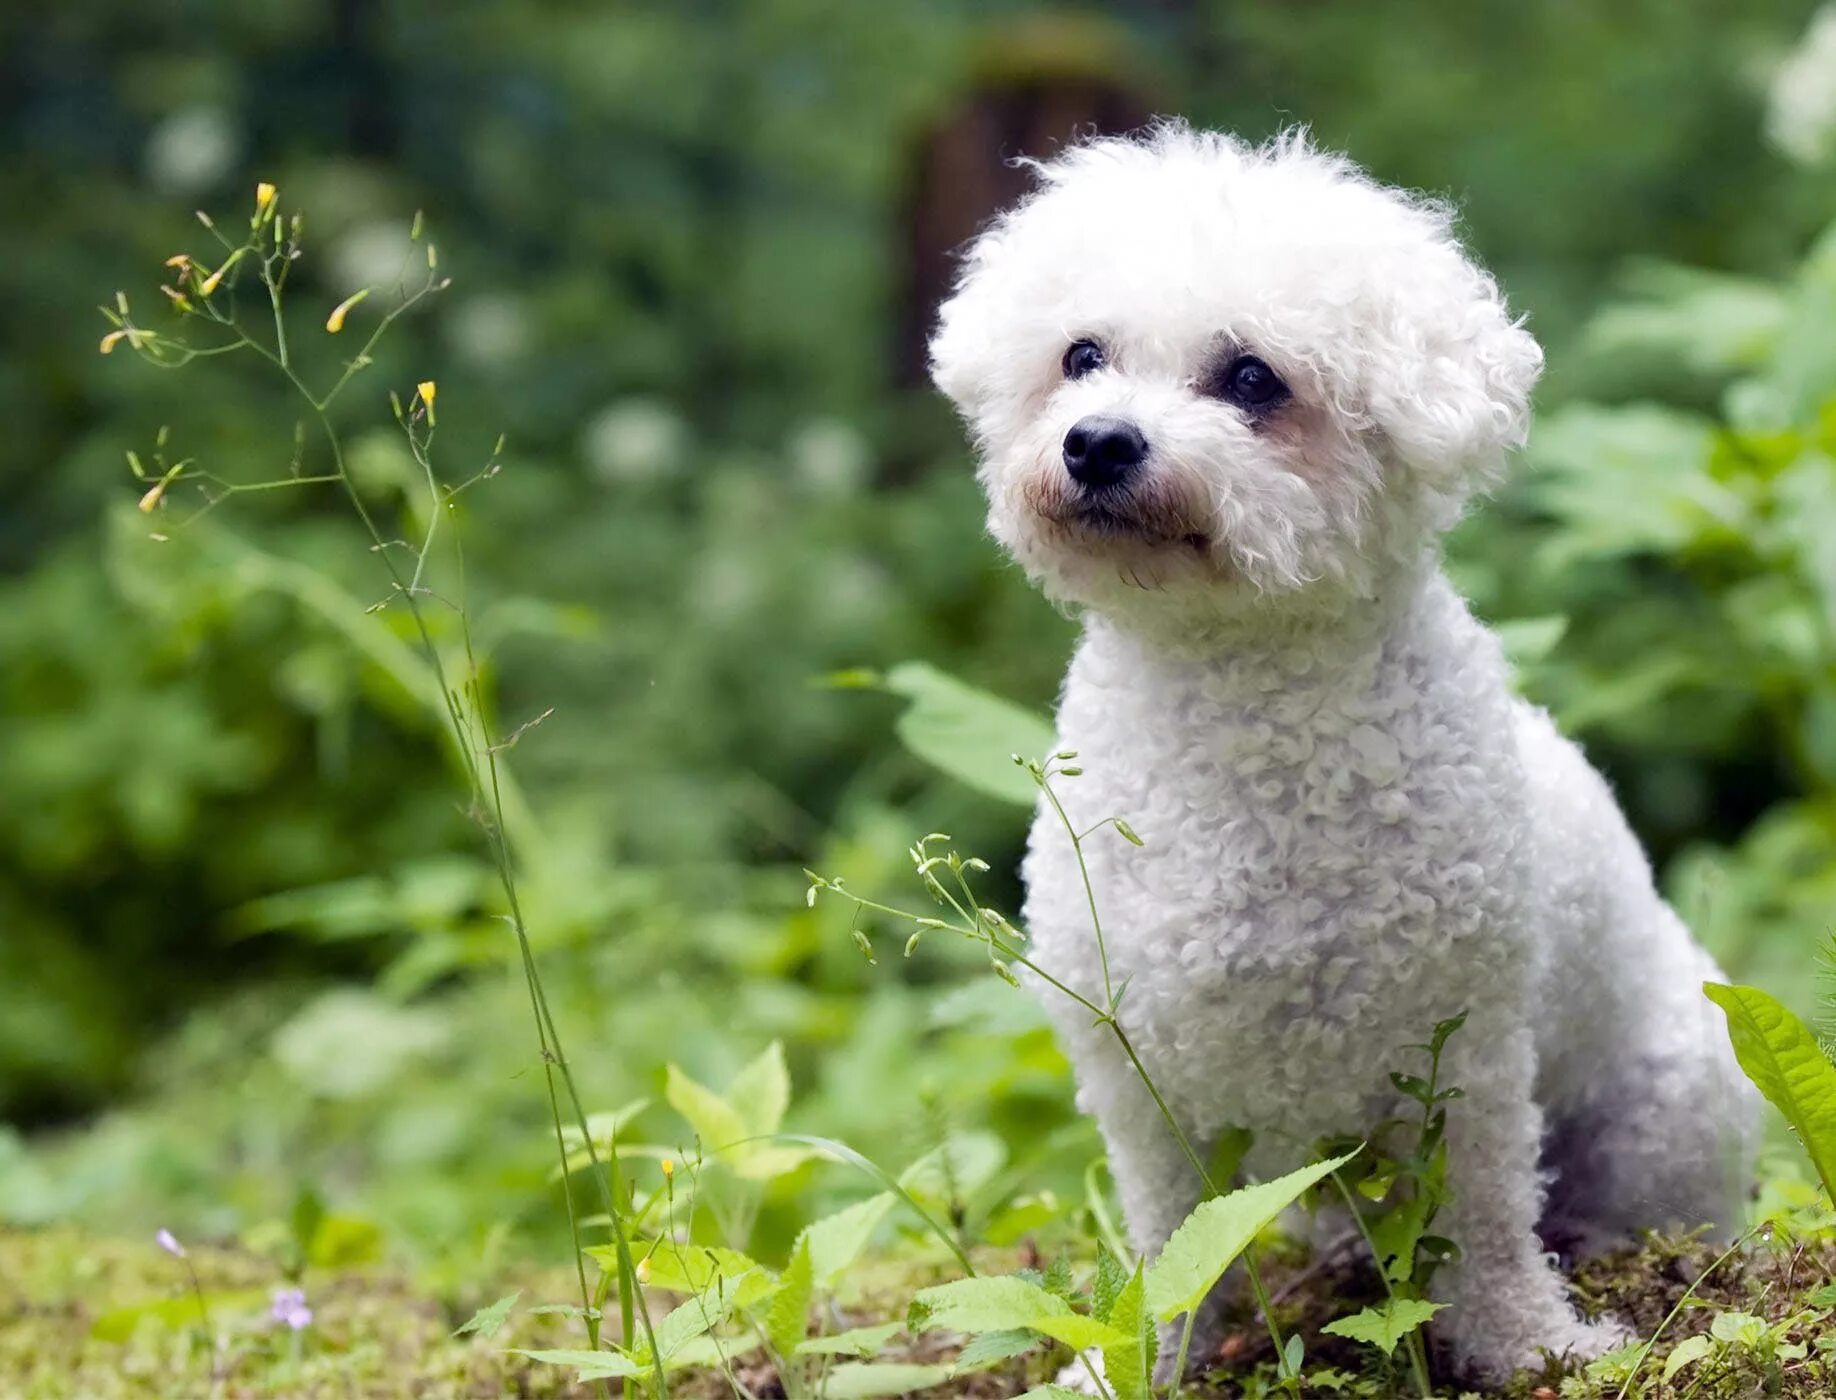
(1496, 1357)
(1082, 1373)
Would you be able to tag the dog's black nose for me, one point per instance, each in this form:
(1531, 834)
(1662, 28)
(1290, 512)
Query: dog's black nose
(1100, 450)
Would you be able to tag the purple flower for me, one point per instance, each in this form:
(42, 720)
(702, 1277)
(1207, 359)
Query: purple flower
(290, 1308)
(168, 1241)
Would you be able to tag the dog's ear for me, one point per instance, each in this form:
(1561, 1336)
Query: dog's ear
(960, 343)
(1450, 374)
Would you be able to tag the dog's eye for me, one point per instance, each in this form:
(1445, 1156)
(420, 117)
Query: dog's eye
(1084, 357)
(1251, 383)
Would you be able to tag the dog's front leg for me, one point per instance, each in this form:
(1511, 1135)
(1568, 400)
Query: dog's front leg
(1156, 1181)
(1508, 1304)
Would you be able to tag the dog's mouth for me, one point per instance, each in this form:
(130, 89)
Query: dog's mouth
(1115, 518)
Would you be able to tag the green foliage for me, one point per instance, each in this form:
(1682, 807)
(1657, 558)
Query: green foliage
(1384, 1324)
(1215, 1234)
(1784, 1060)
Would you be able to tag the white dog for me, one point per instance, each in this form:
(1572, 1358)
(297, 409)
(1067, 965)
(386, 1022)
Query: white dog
(1227, 401)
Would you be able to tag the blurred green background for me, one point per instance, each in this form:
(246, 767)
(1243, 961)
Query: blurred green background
(248, 943)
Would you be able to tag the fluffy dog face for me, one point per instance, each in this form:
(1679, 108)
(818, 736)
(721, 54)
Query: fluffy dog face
(1205, 375)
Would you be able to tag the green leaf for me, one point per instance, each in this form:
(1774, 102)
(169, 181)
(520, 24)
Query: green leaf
(866, 1380)
(789, 1315)
(1128, 1366)
(1211, 1238)
(760, 1092)
(692, 1268)
(1004, 1305)
(1686, 1353)
(857, 1341)
(1784, 1061)
(486, 1321)
(730, 1131)
(968, 733)
(700, 1314)
(590, 1365)
(715, 1121)
(1053, 1391)
(836, 1240)
(991, 1348)
(1111, 1279)
(1386, 1324)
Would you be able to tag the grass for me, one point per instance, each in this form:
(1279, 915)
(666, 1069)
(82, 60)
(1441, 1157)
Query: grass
(86, 1318)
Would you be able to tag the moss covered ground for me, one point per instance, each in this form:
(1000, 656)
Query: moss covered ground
(83, 1318)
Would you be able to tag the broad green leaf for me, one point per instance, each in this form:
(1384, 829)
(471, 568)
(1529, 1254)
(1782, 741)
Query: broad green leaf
(590, 1365)
(1212, 1237)
(1053, 1391)
(715, 1121)
(1129, 1365)
(1005, 1304)
(486, 1321)
(866, 1380)
(1385, 1324)
(760, 1092)
(856, 1341)
(968, 733)
(728, 1131)
(1686, 1353)
(789, 1315)
(836, 1240)
(1783, 1059)
(991, 1348)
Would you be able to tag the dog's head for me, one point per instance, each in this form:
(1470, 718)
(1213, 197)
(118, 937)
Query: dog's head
(1199, 371)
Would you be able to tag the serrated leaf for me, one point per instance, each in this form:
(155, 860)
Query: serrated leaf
(968, 733)
(589, 1365)
(1212, 1237)
(788, 1317)
(991, 1348)
(700, 1314)
(1111, 1278)
(857, 1341)
(1385, 1324)
(1128, 1365)
(1784, 1061)
(1686, 1353)
(866, 1380)
(836, 1240)
(486, 1321)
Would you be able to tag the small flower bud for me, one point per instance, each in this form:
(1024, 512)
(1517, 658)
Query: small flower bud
(335, 322)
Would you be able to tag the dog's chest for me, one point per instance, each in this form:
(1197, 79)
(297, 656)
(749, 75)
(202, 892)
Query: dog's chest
(1325, 849)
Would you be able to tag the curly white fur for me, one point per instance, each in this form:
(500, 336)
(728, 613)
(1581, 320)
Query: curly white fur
(1353, 828)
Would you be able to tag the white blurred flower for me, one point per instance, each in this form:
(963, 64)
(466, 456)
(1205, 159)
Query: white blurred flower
(829, 457)
(1801, 106)
(491, 329)
(192, 149)
(634, 441)
(372, 255)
